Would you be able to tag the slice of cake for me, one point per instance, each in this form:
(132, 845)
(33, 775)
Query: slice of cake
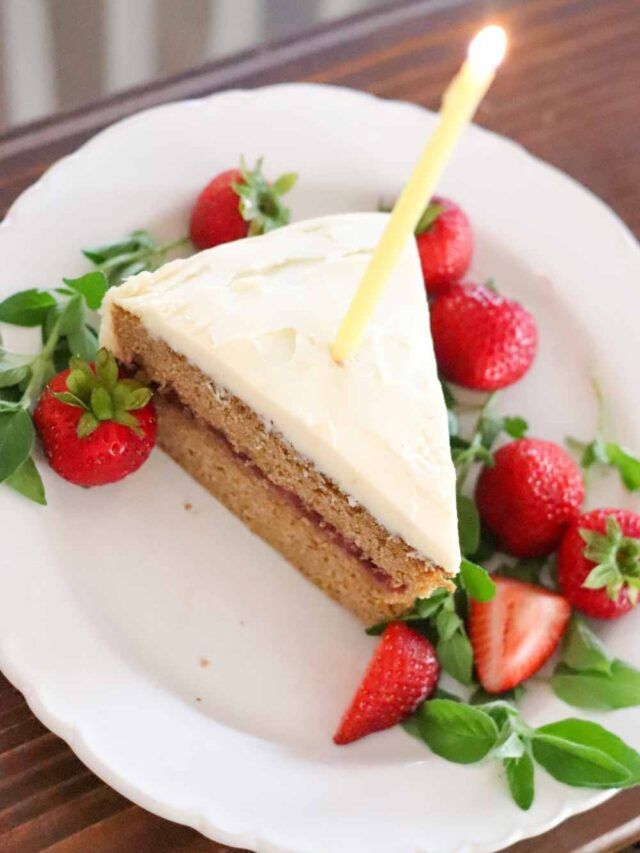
(345, 469)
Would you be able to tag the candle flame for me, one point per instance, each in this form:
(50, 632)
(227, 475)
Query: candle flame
(488, 48)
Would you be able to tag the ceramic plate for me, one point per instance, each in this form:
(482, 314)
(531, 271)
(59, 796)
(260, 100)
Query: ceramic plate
(184, 661)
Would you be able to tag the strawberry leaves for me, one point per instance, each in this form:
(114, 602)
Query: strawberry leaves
(617, 559)
(428, 218)
(260, 202)
(102, 395)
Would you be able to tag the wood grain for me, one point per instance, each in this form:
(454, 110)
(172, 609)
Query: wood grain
(569, 93)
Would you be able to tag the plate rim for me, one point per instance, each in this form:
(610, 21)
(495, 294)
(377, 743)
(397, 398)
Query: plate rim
(72, 733)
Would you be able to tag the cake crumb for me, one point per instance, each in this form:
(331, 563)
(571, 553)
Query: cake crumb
(188, 506)
(204, 662)
(198, 699)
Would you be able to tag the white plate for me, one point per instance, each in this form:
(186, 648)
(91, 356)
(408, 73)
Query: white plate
(111, 600)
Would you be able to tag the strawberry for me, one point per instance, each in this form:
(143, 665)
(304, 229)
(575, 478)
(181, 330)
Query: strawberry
(481, 339)
(445, 244)
(515, 633)
(87, 426)
(598, 562)
(402, 673)
(239, 203)
(528, 497)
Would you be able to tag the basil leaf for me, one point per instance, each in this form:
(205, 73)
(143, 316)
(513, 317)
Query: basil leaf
(515, 426)
(100, 254)
(468, 525)
(476, 581)
(26, 308)
(16, 440)
(423, 609)
(598, 691)
(521, 778)
(509, 745)
(27, 481)
(411, 726)
(457, 732)
(456, 656)
(83, 343)
(481, 697)
(92, 286)
(14, 368)
(582, 650)
(585, 755)
(628, 465)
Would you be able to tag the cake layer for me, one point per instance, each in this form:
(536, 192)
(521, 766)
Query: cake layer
(320, 554)
(266, 451)
(257, 318)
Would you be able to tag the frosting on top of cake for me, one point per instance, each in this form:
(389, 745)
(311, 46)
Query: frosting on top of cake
(259, 316)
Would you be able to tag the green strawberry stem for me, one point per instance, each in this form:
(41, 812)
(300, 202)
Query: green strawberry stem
(102, 395)
(617, 559)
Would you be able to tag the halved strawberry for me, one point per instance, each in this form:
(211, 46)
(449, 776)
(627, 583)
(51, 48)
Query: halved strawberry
(402, 673)
(515, 633)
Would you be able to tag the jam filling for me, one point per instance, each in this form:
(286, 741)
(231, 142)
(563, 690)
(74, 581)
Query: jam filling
(373, 569)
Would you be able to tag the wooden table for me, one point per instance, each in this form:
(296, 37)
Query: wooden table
(569, 93)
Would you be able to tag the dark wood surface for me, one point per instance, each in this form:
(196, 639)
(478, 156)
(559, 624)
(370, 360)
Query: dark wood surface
(569, 92)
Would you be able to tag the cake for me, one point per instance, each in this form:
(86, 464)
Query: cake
(343, 468)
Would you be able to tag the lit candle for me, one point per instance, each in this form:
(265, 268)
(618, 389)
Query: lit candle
(459, 103)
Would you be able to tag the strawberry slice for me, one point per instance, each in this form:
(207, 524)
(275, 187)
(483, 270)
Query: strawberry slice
(515, 633)
(402, 673)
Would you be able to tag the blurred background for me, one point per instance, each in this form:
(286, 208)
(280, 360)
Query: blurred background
(60, 54)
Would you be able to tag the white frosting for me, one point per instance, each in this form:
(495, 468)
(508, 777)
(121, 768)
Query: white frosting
(259, 316)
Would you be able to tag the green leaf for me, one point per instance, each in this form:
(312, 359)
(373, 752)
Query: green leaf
(16, 441)
(627, 464)
(481, 697)
(510, 745)
(476, 581)
(468, 524)
(447, 623)
(14, 368)
(457, 732)
(515, 426)
(83, 343)
(92, 286)
(70, 399)
(106, 368)
(101, 404)
(412, 726)
(70, 316)
(582, 650)
(527, 570)
(585, 755)
(431, 213)
(26, 308)
(285, 183)
(27, 481)
(423, 609)
(598, 691)
(456, 657)
(86, 425)
(521, 778)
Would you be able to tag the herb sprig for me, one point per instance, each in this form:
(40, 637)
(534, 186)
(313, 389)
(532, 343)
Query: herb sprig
(576, 752)
(65, 332)
(138, 252)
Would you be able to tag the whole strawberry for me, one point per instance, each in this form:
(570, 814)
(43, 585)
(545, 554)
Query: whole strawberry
(598, 562)
(481, 339)
(530, 495)
(402, 673)
(96, 426)
(445, 244)
(239, 203)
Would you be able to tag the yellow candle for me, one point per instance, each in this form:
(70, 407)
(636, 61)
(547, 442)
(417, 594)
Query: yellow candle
(459, 104)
